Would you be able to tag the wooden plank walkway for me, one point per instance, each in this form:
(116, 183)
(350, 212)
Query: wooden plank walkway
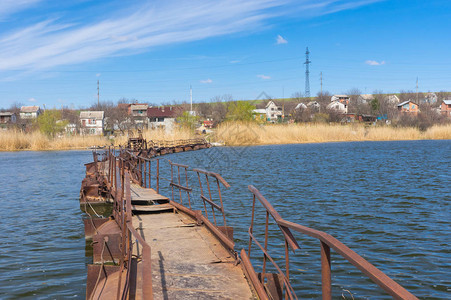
(188, 261)
(142, 195)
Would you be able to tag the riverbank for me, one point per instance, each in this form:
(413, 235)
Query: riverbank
(36, 141)
(239, 134)
(233, 134)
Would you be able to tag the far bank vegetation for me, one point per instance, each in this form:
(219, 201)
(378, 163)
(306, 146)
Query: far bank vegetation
(236, 123)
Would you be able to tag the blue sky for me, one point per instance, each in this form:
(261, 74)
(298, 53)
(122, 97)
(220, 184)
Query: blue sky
(53, 52)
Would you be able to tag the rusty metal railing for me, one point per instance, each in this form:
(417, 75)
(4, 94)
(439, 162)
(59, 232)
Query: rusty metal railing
(209, 200)
(175, 143)
(326, 243)
(177, 182)
(122, 214)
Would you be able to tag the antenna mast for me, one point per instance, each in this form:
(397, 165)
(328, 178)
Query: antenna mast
(98, 93)
(191, 97)
(307, 72)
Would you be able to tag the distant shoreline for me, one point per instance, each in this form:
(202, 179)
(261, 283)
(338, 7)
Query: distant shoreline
(235, 134)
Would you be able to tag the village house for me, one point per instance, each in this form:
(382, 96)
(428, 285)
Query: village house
(7, 117)
(430, 98)
(139, 114)
(446, 108)
(341, 107)
(314, 106)
(208, 123)
(340, 98)
(259, 114)
(408, 107)
(365, 98)
(91, 122)
(393, 99)
(272, 110)
(30, 112)
(162, 117)
(300, 106)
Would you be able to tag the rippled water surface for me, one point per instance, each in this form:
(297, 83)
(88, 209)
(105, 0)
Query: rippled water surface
(388, 201)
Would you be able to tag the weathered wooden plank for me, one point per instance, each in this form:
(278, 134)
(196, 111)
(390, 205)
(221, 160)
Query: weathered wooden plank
(152, 208)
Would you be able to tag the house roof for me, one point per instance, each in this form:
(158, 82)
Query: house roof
(393, 98)
(98, 115)
(447, 102)
(29, 109)
(335, 102)
(6, 114)
(300, 105)
(123, 105)
(367, 96)
(276, 103)
(260, 111)
(261, 105)
(313, 103)
(163, 112)
(341, 96)
(139, 106)
(405, 102)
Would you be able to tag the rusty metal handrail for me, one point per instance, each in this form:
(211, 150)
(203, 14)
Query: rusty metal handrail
(327, 242)
(178, 183)
(210, 200)
(146, 269)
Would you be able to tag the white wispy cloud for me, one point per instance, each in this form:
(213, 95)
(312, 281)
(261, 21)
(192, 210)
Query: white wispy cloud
(206, 81)
(55, 42)
(9, 7)
(264, 77)
(280, 40)
(32, 100)
(375, 63)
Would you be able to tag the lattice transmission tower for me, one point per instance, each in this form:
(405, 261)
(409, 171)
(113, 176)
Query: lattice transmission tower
(307, 74)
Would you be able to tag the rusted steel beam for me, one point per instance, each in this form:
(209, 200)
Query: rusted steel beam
(326, 274)
(97, 273)
(212, 203)
(92, 224)
(179, 165)
(286, 232)
(181, 187)
(377, 276)
(252, 276)
(213, 174)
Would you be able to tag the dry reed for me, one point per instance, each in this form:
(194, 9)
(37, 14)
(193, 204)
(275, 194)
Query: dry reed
(16, 140)
(240, 133)
(233, 134)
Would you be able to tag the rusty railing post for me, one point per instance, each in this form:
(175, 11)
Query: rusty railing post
(158, 175)
(326, 271)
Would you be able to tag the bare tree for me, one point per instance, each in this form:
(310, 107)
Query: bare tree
(323, 99)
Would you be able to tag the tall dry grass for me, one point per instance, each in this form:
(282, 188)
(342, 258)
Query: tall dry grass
(240, 133)
(16, 140)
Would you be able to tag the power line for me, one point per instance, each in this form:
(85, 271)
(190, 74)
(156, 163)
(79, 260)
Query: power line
(307, 73)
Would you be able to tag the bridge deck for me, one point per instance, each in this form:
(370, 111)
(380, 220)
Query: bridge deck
(188, 262)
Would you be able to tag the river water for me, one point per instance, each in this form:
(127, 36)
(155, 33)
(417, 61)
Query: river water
(388, 201)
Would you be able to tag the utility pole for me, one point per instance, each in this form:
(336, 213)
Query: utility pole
(191, 98)
(417, 89)
(321, 79)
(307, 72)
(98, 93)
